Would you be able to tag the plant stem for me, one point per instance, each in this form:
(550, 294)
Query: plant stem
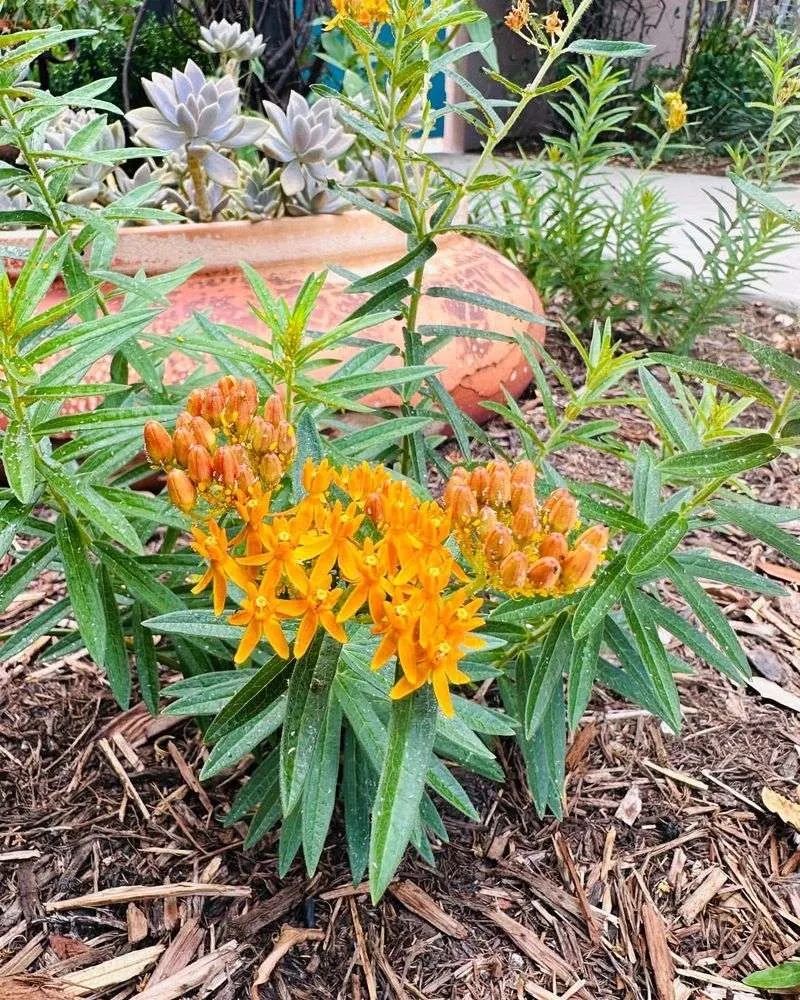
(200, 186)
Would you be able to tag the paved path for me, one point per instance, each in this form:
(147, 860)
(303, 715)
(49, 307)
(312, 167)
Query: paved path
(689, 195)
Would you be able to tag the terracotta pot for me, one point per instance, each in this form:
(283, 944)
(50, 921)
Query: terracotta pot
(284, 251)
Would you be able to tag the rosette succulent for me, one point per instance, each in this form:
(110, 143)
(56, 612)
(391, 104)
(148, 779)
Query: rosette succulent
(319, 199)
(198, 114)
(86, 182)
(12, 200)
(230, 42)
(307, 140)
(385, 171)
(259, 197)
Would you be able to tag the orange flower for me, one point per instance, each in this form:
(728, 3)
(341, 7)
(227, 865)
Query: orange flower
(370, 583)
(279, 552)
(260, 614)
(213, 547)
(332, 539)
(314, 607)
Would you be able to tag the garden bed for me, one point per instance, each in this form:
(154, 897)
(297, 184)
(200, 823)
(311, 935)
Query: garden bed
(658, 828)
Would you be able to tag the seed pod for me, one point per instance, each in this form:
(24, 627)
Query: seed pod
(274, 411)
(227, 466)
(213, 404)
(544, 573)
(579, 566)
(555, 545)
(157, 443)
(499, 488)
(498, 544)
(199, 466)
(203, 433)
(522, 495)
(514, 571)
(270, 469)
(373, 508)
(561, 509)
(181, 490)
(463, 504)
(523, 473)
(194, 404)
(182, 441)
(525, 523)
(595, 537)
(479, 481)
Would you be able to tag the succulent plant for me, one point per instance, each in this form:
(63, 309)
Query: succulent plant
(259, 197)
(230, 42)
(411, 120)
(189, 205)
(86, 183)
(120, 183)
(199, 114)
(384, 170)
(319, 199)
(13, 200)
(307, 140)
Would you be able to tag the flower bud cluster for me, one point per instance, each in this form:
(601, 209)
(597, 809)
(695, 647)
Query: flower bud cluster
(512, 542)
(223, 448)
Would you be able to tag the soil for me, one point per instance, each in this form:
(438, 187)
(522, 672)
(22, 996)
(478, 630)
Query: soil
(668, 878)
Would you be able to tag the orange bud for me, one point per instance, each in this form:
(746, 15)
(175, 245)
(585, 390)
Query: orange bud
(544, 573)
(182, 441)
(454, 484)
(579, 566)
(463, 504)
(203, 433)
(227, 465)
(523, 473)
(498, 543)
(261, 434)
(522, 495)
(487, 519)
(595, 537)
(274, 411)
(213, 405)
(227, 386)
(184, 420)
(194, 404)
(287, 442)
(499, 488)
(270, 469)
(459, 472)
(525, 523)
(555, 545)
(157, 443)
(181, 490)
(373, 508)
(514, 571)
(479, 481)
(561, 509)
(199, 466)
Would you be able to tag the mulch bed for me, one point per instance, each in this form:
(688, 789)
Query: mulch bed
(668, 877)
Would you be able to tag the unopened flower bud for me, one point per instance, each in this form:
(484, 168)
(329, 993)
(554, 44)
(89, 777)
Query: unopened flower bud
(182, 441)
(274, 410)
(523, 473)
(561, 509)
(579, 566)
(203, 433)
(158, 443)
(555, 545)
(454, 483)
(227, 386)
(373, 508)
(463, 504)
(487, 519)
(522, 495)
(181, 490)
(479, 481)
(287, 442)
(199, 466)
(260, 435)
(595, 537)
(194, 404)
(514, 571)
(184, 419)
(499, 488)
(525, 523)
(498, 543)
(544, 573)
(270, 469)
(227, 466)
(213, 405)
(459, 473)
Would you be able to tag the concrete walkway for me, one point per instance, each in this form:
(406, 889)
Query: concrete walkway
(689, 196)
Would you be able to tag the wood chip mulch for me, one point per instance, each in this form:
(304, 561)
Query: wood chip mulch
(669, 878)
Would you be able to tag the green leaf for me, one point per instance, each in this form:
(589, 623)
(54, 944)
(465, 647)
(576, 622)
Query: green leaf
(382, 434)
(412, 730)
(785, 367)
(658, 542)
(146, 665)
(778, 979)
(387, 276)
(269, 802)
(646, 486)
(582, 671)
(115, 661)
(359, 783)
(256, 789)
(289, 844)
(231, 748)
(194, 623)
(601, 597)
(669, 420)
(609, 47)
(728, 378)
(26, 569)
(19, 460)
(319, 795)
(759, 527)
(84, 593)
(700, 564)
(486, 302)
(308, 699)
(547, 672)
(645, 633)
(309, 446)
(32, 630)
(722, 460)
(258, 693)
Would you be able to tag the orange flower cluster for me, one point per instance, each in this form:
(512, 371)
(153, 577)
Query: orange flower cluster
(222, 447)
(514, 544)
(365, 12)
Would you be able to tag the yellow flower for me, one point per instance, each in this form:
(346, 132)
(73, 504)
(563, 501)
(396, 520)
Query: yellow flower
(365, 12)
(260, 614)
(676, 110)
(213, 547)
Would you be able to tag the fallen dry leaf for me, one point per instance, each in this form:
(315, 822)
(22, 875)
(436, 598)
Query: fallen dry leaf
(774, 692)
(787, 809)
(630, 807)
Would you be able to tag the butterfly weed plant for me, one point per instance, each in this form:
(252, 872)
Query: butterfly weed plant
(329, 611)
